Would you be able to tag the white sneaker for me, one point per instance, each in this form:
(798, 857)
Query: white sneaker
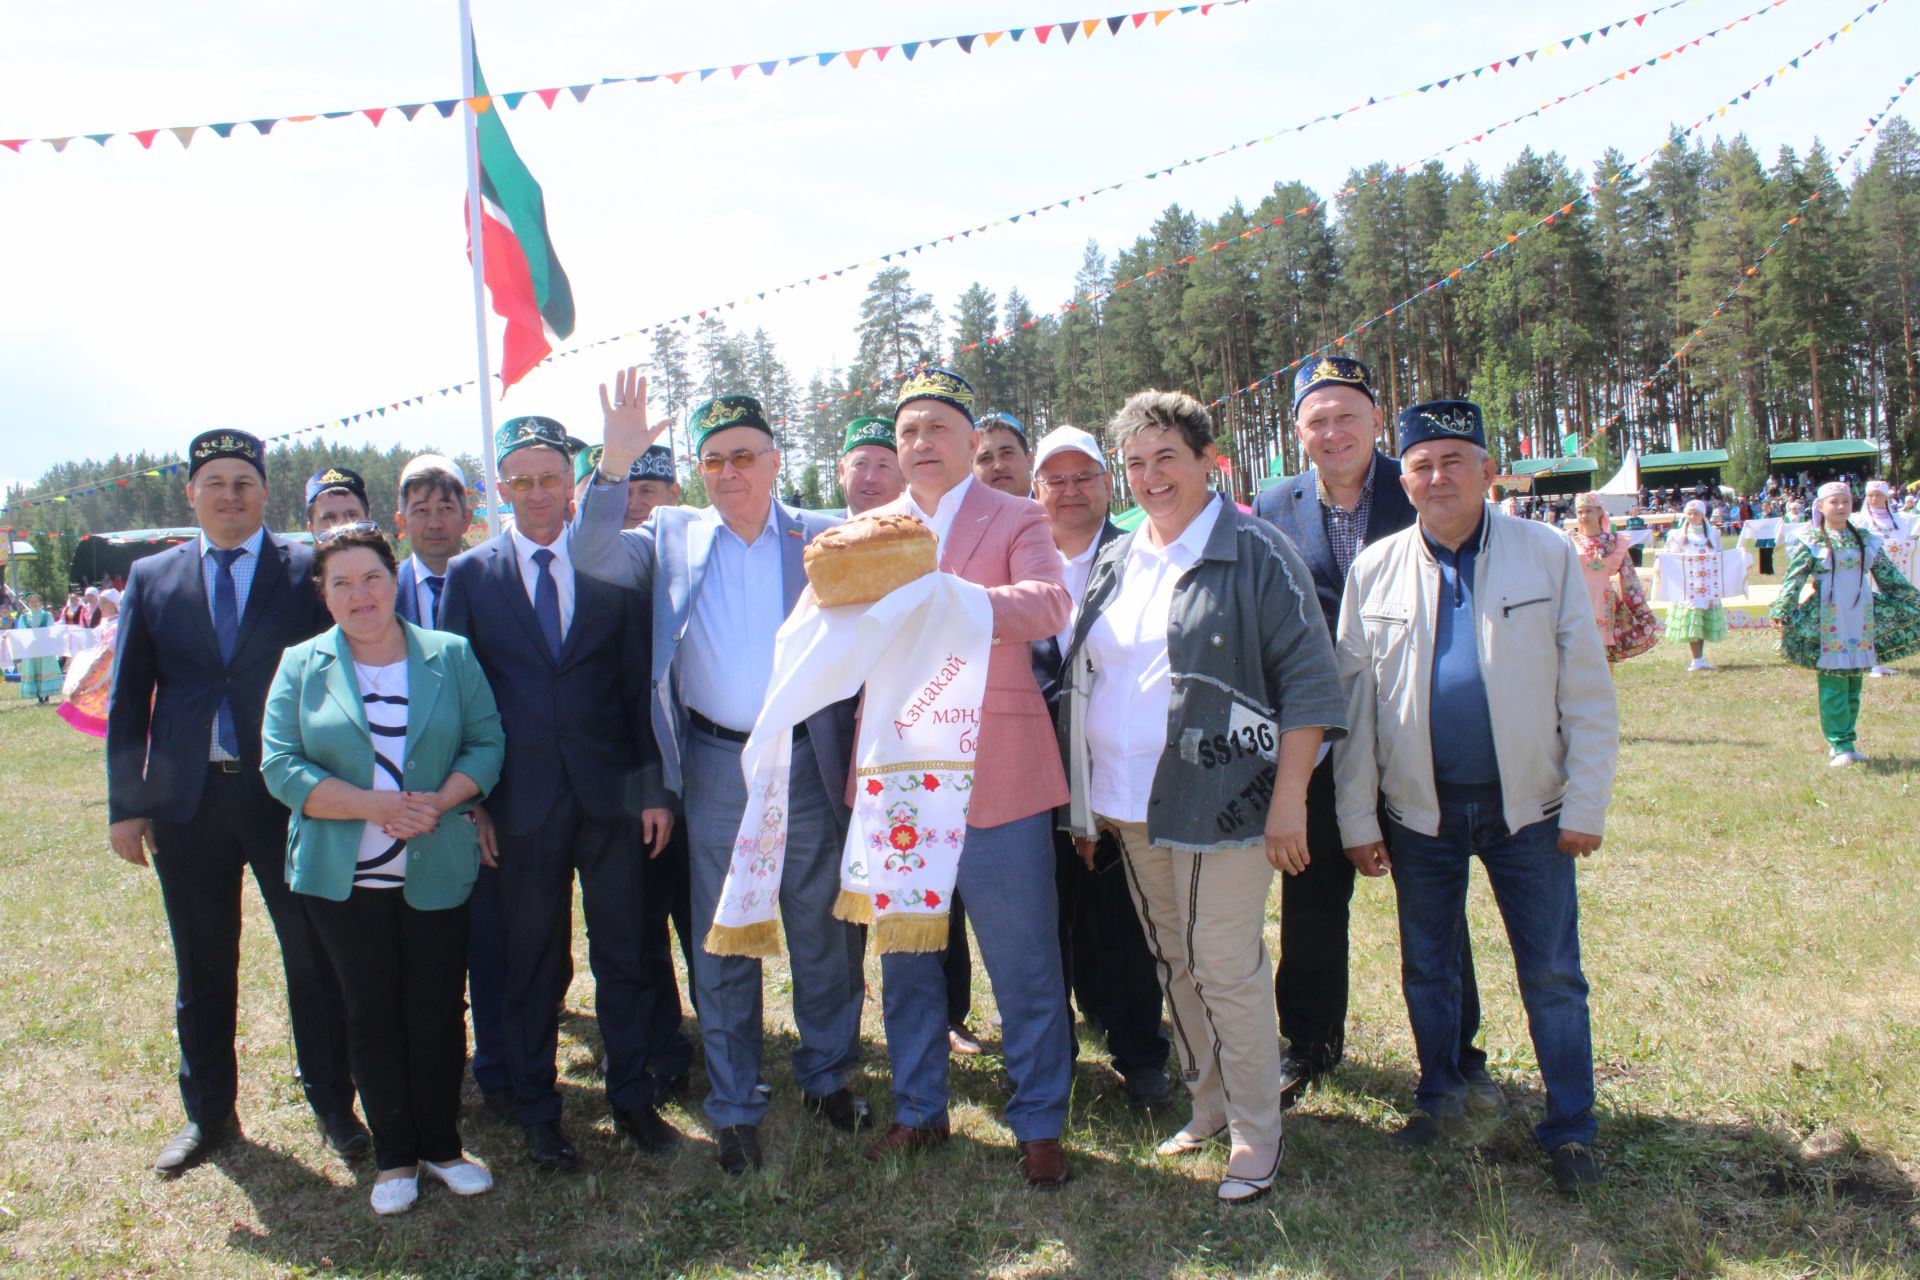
(1840, 759)
(463, 1177)
(396, 1195)
(1858, 757)
(1699, 664)
(1881, 671)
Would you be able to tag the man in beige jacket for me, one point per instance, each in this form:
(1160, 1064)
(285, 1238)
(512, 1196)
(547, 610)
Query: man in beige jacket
(1480, 705)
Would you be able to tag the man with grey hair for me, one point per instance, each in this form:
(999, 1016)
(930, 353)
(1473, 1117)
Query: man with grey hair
(1516, 771)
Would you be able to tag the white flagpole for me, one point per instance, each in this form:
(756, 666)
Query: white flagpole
(477, 240)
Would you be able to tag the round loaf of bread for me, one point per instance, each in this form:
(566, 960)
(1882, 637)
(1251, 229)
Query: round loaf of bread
(865, 559)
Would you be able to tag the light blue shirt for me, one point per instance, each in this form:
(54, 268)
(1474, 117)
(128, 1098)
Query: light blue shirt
(726, 661)
(243, 567)
(1462, 725)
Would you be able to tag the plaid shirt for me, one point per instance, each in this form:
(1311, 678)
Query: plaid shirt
(1347, 529)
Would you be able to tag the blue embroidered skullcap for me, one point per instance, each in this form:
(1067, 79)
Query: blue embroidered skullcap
(1331, 371)
(1441, 420)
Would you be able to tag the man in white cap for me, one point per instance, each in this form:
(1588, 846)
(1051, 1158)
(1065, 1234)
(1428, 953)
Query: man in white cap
(1108, 967)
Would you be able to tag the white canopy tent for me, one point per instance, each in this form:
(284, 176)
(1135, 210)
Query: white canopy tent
(1621, 494)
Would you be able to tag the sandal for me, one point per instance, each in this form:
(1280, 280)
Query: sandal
(1186, 1142)
(1239, 1190)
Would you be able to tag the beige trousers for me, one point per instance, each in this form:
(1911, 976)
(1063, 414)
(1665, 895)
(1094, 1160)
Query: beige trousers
(1205, 917)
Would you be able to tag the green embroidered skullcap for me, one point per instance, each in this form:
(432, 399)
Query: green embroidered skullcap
(722, 412)
(531, 432)
(586, 460)
(868, 431)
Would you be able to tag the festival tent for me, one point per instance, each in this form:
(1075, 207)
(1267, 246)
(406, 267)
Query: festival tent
(1682, 470)
(1621, 494)
(1557, 475)
(1822, 460)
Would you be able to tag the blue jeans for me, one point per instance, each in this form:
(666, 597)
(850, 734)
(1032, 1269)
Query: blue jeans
(820, 948)
(1006, 877)
(1534, 885)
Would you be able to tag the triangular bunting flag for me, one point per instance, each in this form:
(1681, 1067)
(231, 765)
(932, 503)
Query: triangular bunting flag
(185, 134)
(966, 43)
(513, 99)
(579, 91)
(768, 68)
(545, 95)
(480, 104)
(372, 113)
(1114, 24)
(60, 144)
(881, 51)
(412, 109)
(265, 126)
(445, 107)
(993, 37)
(910, 48)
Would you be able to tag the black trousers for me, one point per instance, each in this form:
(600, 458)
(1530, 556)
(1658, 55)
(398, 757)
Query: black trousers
(1310, 979)
(957, 966)
(200, 864)
(666, 908)
(1103, 953)
(1766, 559)
(402, 974)
(630, 978)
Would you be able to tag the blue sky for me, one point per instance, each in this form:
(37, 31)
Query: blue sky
(270, 283)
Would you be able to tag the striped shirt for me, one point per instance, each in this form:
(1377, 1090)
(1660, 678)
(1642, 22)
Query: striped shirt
(383, 691)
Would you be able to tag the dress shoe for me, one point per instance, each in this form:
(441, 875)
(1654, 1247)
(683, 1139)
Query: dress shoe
(646, 1129)
(678, 1086)
(1149, 1089)
(902, 1138)
(1297, 1074)
(961, 1040)
(844, 1109)
(195, 1142)
(499, 1102)
(1044, 1163)
(1483, 1094)
(1423, 1130)
(1574, 1168)
(549, 1148)
(739, 1149)
(345, 1136)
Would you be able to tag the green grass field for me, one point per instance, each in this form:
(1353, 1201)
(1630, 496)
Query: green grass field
(1751, 936)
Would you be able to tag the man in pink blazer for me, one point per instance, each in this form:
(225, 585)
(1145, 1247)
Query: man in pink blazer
(1002, 543)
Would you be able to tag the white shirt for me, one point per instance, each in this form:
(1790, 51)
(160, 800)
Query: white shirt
(726, 661)
(561, 568)
(427, 601)
(1132, 683)
(944, 511)
(1075, 570)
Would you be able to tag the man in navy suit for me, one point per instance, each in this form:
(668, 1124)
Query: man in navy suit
(433, 518)
(1350, 499)
(722, 580)
(567, 658)
(202, 628)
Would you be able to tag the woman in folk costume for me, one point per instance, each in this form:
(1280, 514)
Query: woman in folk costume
(1843, 607)
(90, 674)
(39, 677)
(1897, 531)
(1627, 625)
(1696, 624)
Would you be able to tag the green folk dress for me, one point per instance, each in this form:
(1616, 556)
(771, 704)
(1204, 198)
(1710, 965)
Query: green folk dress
(1843, 604)
(39, 677)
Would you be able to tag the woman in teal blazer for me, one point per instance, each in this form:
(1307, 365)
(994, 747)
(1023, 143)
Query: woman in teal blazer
(380, 737)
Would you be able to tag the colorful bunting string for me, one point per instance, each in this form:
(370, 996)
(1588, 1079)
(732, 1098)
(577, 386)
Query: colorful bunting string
(1083, 28)
(1752, 270)
(1564, 211)
(936, 242)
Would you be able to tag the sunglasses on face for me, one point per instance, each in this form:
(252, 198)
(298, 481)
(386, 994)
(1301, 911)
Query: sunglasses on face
(357, 526)
(521, 486)
(714, 463)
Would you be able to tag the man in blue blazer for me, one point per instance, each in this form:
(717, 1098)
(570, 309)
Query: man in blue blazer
(567, 658)
(722, 580)
(1351, 498)
(433, 518)
(202, 627)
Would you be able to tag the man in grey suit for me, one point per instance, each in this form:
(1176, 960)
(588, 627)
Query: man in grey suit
(1350, 498)
(722, 580)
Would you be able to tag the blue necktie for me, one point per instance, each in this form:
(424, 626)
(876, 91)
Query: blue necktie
(435, 583)
(546, 602)
(226, 630)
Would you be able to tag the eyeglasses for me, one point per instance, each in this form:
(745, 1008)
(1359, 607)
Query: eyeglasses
(1078, 480)
(521, 486)
(714, 463)
(356, 526)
